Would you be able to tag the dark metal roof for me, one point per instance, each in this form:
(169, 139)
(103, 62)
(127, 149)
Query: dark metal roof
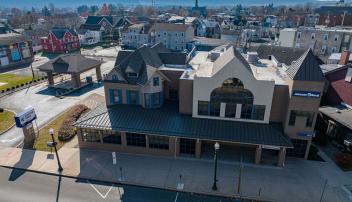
(60, 32)
(168, 122)
(173, 58)
(70, 63)
(339, 113)
(94, 20)
(284, 55)
(306, 68)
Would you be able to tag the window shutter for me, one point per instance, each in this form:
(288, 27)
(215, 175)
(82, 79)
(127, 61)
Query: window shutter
(120, 96)
(127, 96)
(111, 93)
(137, 98)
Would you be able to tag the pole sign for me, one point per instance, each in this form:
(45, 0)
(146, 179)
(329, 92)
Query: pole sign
(25, 117)
(311, 94)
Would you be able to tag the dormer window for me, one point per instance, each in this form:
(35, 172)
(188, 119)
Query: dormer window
(156, 81)
(132, 75)
(114, 77)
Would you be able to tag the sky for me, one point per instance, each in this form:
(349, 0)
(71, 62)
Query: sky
(75, 3)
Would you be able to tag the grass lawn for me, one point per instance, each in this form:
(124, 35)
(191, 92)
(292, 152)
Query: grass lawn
(6, 120)
(11, 80)
(43, 138)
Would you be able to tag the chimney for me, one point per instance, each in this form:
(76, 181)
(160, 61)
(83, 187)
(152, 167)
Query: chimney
(345, 56)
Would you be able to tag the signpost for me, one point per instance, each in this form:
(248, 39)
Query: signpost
(25, 117)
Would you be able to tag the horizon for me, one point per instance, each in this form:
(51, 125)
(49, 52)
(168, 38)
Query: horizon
(186, 3)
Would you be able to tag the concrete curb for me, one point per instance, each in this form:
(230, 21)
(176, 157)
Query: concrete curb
(9, 128)
(234, 196)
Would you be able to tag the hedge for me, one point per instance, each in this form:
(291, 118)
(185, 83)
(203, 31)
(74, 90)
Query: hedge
(67, 130)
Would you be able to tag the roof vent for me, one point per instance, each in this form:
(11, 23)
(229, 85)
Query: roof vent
(252, 57)
(214, 55)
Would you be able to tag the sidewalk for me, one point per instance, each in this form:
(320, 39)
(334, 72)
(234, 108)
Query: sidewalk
(299, 180)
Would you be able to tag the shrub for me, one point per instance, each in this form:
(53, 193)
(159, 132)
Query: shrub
(67, 130)
(7, 89)
(343, 159)
(2, 91)
(22, 84)
(17, 86)
(13, 88)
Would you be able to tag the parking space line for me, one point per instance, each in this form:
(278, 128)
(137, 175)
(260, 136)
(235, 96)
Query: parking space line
(176, 197)
(102, 195)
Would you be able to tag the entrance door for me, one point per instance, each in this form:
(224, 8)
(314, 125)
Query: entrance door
(148, 100)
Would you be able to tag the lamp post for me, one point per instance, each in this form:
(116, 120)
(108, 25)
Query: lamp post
(51, 132)
(216, 147)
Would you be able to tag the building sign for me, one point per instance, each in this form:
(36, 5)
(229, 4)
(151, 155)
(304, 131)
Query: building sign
(306, 94)
(305, 134)
(270, 147)
(25, 117)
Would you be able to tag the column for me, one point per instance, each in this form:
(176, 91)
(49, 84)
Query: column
(309, 142)
(258, 155)
(177, 147)
(198, 148)
(50, 77)
(98, 72)
(281, 157)
(123, 139)
(75, 77)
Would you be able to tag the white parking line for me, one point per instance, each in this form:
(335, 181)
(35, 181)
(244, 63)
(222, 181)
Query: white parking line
(176, 197)
(102, 195)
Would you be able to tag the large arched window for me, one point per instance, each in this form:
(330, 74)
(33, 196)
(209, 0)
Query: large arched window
(232, 91)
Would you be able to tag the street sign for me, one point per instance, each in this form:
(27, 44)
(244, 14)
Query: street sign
(25, 117)
(306, 94)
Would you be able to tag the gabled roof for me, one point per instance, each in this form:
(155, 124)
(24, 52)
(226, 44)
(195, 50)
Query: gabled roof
(70, 63)
(170, 27)
(95, 20)
(306, 68)
(60, 32)
(284, 55)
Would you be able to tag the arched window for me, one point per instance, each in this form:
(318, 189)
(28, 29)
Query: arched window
(232, 91)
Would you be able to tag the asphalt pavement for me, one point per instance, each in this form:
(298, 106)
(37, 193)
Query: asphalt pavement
(18, 186)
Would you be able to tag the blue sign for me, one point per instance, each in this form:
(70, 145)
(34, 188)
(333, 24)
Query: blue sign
(25, 117)
(306, 134)
(306, 94)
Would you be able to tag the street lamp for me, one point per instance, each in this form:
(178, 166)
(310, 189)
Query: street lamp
(216, 147)
(53, 143)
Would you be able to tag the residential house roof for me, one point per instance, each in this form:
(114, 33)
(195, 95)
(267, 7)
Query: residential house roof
(95, 20)
(168, 122)
(70, 63)
(170, 27)
(60, 32)
(10, 38)
(306, 68)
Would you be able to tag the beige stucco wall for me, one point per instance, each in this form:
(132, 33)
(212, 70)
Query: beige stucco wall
(262, 90)
(303, 104)
(280, 102)
(185, 96)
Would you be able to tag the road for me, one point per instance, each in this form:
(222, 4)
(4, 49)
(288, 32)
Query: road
(17, 185)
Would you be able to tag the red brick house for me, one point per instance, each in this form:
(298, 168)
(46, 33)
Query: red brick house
(60, 40)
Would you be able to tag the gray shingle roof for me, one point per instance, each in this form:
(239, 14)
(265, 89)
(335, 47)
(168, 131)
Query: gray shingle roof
(10, 38)
(168, 122)
(170, 27)
(69, 63)
(306, 68)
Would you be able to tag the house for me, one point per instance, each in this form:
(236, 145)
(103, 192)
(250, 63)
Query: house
(173, 36)
(136, 35)
(207, 28)
(230, 35)
(336, 113)
(322, 40)
(35, 35)
(60, 40)
(15, 49)
(246, 104)
(104, 29)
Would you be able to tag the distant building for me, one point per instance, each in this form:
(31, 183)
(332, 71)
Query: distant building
(136, 35)
(310, 20)
(60, 40)
(198, 11)
(323, 41)
(15, 49)
(207, 28)
(35, 35)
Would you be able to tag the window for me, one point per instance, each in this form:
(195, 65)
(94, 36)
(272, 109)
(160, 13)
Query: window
(254, 112)
(158, 142)
(182, 34)
(214, 109)
(336, 37)
(114, 77)
(153, 100)
(308, 115)
(299, 35)
(203, 108)
(187, 146)
(230, 110)
(156, 81)
(333, 49)
(323, 49)
(325, 37)
(90, 135)
(347, 38)
(115, 96)
(132, 97)
(132, 75)
(312, 36)
(111, 137)
(135, 139)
